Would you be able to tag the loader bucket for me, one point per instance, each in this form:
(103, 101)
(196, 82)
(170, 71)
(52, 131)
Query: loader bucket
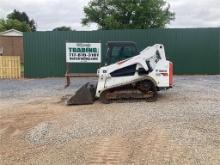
(85, 95)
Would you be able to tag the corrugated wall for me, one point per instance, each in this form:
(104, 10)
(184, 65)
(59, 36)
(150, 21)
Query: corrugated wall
(193, 51)
(219, 50)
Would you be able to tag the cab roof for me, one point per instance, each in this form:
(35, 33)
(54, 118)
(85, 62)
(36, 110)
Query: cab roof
(121, 43)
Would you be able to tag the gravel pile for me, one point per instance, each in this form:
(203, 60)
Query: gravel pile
(40, 133)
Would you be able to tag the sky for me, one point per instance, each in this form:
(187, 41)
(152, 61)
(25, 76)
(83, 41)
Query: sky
(53, 13)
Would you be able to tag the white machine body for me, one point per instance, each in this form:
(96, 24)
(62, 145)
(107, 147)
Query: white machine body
(152, 61)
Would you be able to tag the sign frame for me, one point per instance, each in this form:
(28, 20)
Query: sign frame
(70, 62)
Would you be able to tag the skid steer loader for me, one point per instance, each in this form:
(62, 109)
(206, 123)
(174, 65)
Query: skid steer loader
(128, 74)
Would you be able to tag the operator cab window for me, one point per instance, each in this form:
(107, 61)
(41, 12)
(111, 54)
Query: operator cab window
(129, 52)
(121, 53)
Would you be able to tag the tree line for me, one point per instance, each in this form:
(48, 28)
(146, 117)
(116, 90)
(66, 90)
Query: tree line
(107, 14)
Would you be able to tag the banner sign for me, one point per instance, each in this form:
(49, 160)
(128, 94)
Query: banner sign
(83, 52)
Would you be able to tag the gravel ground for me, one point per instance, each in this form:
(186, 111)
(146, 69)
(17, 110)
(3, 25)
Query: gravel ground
(182, 127)
(20, 90)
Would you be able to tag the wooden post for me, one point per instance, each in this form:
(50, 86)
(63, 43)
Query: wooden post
(67, 76)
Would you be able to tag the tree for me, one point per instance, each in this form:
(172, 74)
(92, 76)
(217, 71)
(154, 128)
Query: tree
(62, 28)
(14, 24)
(128, 14)
(22, 17)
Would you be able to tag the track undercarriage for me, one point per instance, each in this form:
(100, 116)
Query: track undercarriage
(141, 90)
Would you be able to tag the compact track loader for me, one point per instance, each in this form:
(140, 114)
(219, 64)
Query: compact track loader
(128, 74)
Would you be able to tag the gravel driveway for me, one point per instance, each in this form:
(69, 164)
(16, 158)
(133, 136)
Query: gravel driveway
(182, 127)
(21, 90)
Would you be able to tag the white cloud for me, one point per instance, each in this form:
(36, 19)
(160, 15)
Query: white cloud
(200, 13)
(52, 13)
(49, 13)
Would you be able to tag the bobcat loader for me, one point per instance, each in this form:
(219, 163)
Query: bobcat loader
(128, 75)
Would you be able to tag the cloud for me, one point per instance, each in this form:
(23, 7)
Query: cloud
(49, 13)
(52, 13)
(201, 13)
